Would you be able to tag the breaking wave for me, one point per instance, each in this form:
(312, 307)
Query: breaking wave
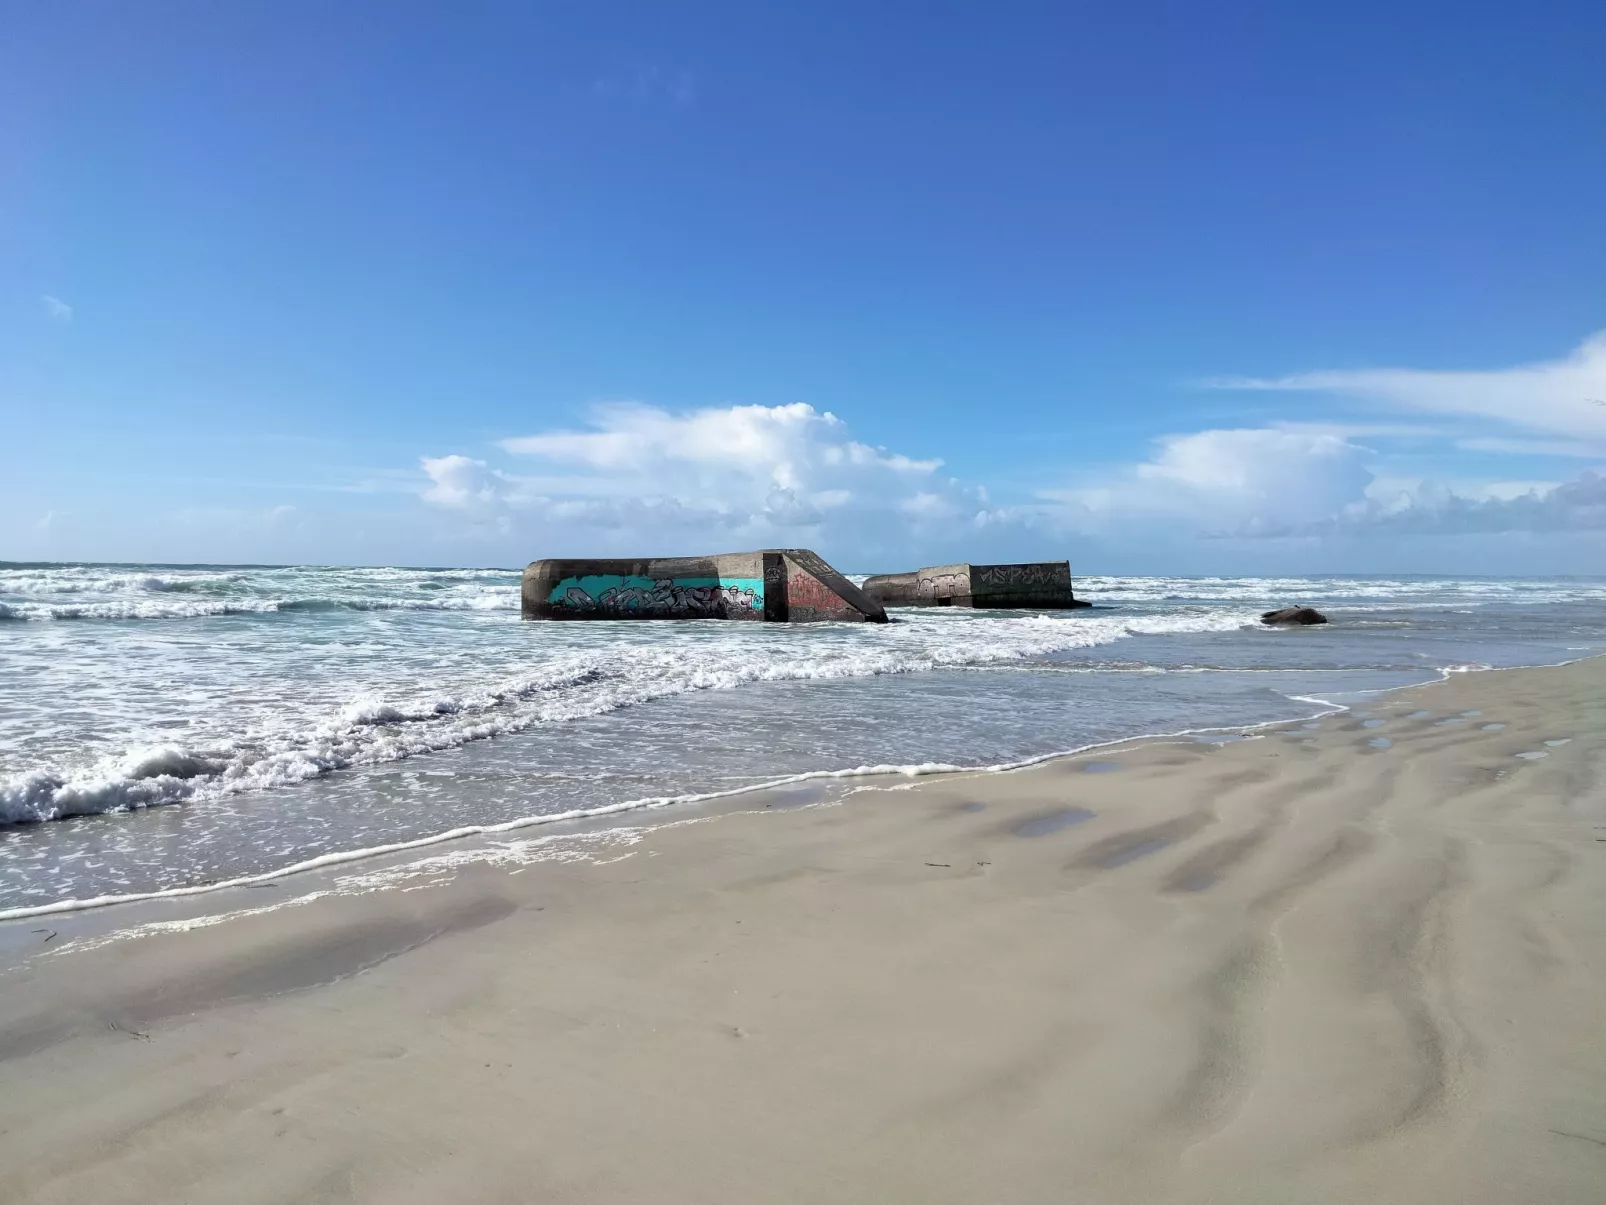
(372, 728)
(202, 610)
(89, 592)
(132, 609)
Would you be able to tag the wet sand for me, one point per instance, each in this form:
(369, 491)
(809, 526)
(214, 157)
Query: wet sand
(1304, 967)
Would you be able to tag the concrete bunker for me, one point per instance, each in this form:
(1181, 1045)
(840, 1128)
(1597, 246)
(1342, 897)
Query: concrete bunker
(1034, 586)
(780, 585)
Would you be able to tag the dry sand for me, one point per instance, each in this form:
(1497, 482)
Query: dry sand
(1290, 969)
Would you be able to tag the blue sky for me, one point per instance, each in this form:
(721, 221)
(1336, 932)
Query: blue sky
(1189, 288)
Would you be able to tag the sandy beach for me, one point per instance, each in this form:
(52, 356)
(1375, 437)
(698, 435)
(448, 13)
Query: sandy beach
(1361, 961)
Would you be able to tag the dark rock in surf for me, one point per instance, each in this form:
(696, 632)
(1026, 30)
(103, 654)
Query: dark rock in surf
(1294, 617)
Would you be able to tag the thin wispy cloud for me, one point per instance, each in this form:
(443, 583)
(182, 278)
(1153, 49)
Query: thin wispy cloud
(55, 308)
(673, 86)
(1557, 397)
(1361, 430)
(238, 522)
(1579, 449)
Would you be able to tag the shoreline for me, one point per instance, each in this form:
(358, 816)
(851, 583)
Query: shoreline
(651, 804)
(1292, 967)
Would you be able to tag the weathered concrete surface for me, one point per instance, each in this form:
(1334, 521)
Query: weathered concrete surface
(776, 584)
(1037, 585)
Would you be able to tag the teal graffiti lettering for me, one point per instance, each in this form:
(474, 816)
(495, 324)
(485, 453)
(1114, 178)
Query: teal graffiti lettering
(677, 596)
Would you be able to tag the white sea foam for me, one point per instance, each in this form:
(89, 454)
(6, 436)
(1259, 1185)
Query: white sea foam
(143, 609)
(598, 848)
(391, 877)
(337, 668)
(134, 609)
(110, 592)
(164, 761)
(79, 582)
(373, 727)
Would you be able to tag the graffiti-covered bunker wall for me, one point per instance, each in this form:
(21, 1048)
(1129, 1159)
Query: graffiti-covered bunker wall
(1042, 584)
(778, 584)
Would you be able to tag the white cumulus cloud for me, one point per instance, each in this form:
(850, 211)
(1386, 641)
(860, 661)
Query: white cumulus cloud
(1578, 505)
(645, 477)
(1280, 483)
(640, 479)
(1227, 482)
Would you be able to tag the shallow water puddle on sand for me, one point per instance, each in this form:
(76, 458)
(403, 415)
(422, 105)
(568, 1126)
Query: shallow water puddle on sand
(1100, 767)
(1373, 723)
(798, 794)
(1053, 822)
(1126, 847)
(973, 806)
(1446, 722)
(1468, 715)
(1311, 727)
(1219, 738)
(1491, 727)
(1380, 742)
(1559, 742)
(1131, 853)
(1419, 715)
(1533, 755)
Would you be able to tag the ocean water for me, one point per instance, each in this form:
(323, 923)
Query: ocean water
(163, 727)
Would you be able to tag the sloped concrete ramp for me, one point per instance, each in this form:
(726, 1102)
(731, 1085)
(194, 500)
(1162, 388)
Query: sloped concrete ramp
(781, 585)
